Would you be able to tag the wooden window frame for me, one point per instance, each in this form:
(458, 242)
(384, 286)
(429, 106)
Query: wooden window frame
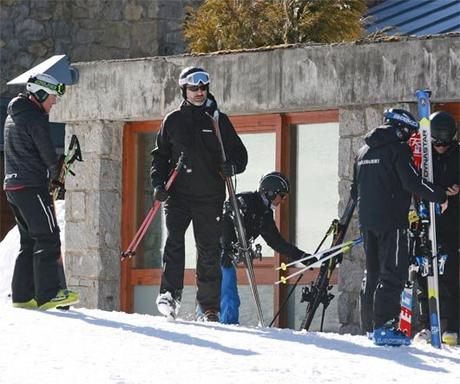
(281, 125)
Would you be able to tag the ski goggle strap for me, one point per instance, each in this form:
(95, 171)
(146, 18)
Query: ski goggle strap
(58, 88)
(195, 79)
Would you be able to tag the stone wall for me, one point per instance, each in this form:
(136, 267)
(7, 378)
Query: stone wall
(86, 30)
(93, 209)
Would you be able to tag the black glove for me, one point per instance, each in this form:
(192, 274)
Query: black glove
(160, 193)
(227, 169)
(309, 261)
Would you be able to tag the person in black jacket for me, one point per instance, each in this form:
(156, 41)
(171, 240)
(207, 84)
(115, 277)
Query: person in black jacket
(446, 174)
(257, 214)
(197, 195)
(384, 178)
(30, 164)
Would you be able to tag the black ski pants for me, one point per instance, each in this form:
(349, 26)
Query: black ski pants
(36, 272)
(448, 287)
(387, 263)
(206, 219)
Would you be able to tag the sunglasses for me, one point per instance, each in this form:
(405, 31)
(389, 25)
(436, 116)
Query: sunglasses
(196, 88)
(438, 143)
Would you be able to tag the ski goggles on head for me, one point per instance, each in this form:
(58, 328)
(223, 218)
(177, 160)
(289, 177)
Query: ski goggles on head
(195, 79)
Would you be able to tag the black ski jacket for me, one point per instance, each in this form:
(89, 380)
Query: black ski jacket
(257, 220)
(383, 180)
(30, 158)
(446, 174)
(189, 130)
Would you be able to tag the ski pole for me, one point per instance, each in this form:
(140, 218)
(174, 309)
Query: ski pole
(131, 251)
(283, 304)
(239, 224)
(317, 256)
(345, 248)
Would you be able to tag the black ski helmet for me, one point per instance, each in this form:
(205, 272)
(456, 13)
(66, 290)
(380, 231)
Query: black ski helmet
(402, 119)
(193, 76)
(272, 184)
(443, 127)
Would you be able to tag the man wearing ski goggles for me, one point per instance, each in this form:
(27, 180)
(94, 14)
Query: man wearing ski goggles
(196, 196)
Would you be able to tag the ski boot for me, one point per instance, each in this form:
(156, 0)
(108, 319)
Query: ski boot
(424, 336)
(168, 305)
(63, 297)
(389, 334)
(210, 315)
(31, 304)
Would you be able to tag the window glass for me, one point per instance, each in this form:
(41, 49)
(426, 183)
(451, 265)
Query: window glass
(315, 206)
(316, 182)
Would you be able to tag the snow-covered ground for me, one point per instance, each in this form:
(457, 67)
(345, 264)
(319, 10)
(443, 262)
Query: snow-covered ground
(92, 346)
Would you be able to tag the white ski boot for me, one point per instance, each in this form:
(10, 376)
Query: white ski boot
(167, 305)
(424, 336)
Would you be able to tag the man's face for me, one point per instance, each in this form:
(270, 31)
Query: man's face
(196, 94)
(280, 197)
(441, 148)
(49, 102)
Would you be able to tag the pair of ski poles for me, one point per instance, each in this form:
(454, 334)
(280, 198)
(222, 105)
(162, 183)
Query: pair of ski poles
(131, 251)
(320, 257)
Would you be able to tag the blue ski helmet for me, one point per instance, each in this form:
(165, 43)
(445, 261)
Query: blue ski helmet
(403, 120)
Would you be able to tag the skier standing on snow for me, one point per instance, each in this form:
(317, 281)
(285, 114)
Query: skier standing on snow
(446, 174)
(30, 163)
(257, 214)
(384, 178)
(195, 196)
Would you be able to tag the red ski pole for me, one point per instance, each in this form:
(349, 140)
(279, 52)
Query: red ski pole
(131, 251)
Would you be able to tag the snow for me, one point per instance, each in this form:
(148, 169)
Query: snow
(93, 346)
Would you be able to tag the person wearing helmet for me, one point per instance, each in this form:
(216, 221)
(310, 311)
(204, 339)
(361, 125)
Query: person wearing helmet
(384, 179)
(30, 164)
(257, 215)
(197, 195)
(445, 151)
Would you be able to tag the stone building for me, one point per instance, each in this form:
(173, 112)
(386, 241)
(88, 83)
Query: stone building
(299, 109)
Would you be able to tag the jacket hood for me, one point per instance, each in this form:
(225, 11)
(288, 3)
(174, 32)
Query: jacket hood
(383, 135)
(20, 104)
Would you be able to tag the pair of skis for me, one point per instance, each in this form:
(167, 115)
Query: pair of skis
(421, 146)
(243, 246)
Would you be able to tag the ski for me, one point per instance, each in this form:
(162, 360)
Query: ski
(56, 191)
(319, 291)
(243, 247)
(73, 154)
(423, 103)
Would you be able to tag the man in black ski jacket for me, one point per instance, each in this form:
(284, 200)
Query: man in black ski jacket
(30, 164)
(446, 174)
(197, 195)
(257, 214)
(384, 178)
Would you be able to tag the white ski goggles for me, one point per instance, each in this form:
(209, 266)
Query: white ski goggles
(195, 79)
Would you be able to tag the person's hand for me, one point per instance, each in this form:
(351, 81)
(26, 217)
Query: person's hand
(227, 169)
(159, 193)
(453, 190)
(444, 206)
(56, 184)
